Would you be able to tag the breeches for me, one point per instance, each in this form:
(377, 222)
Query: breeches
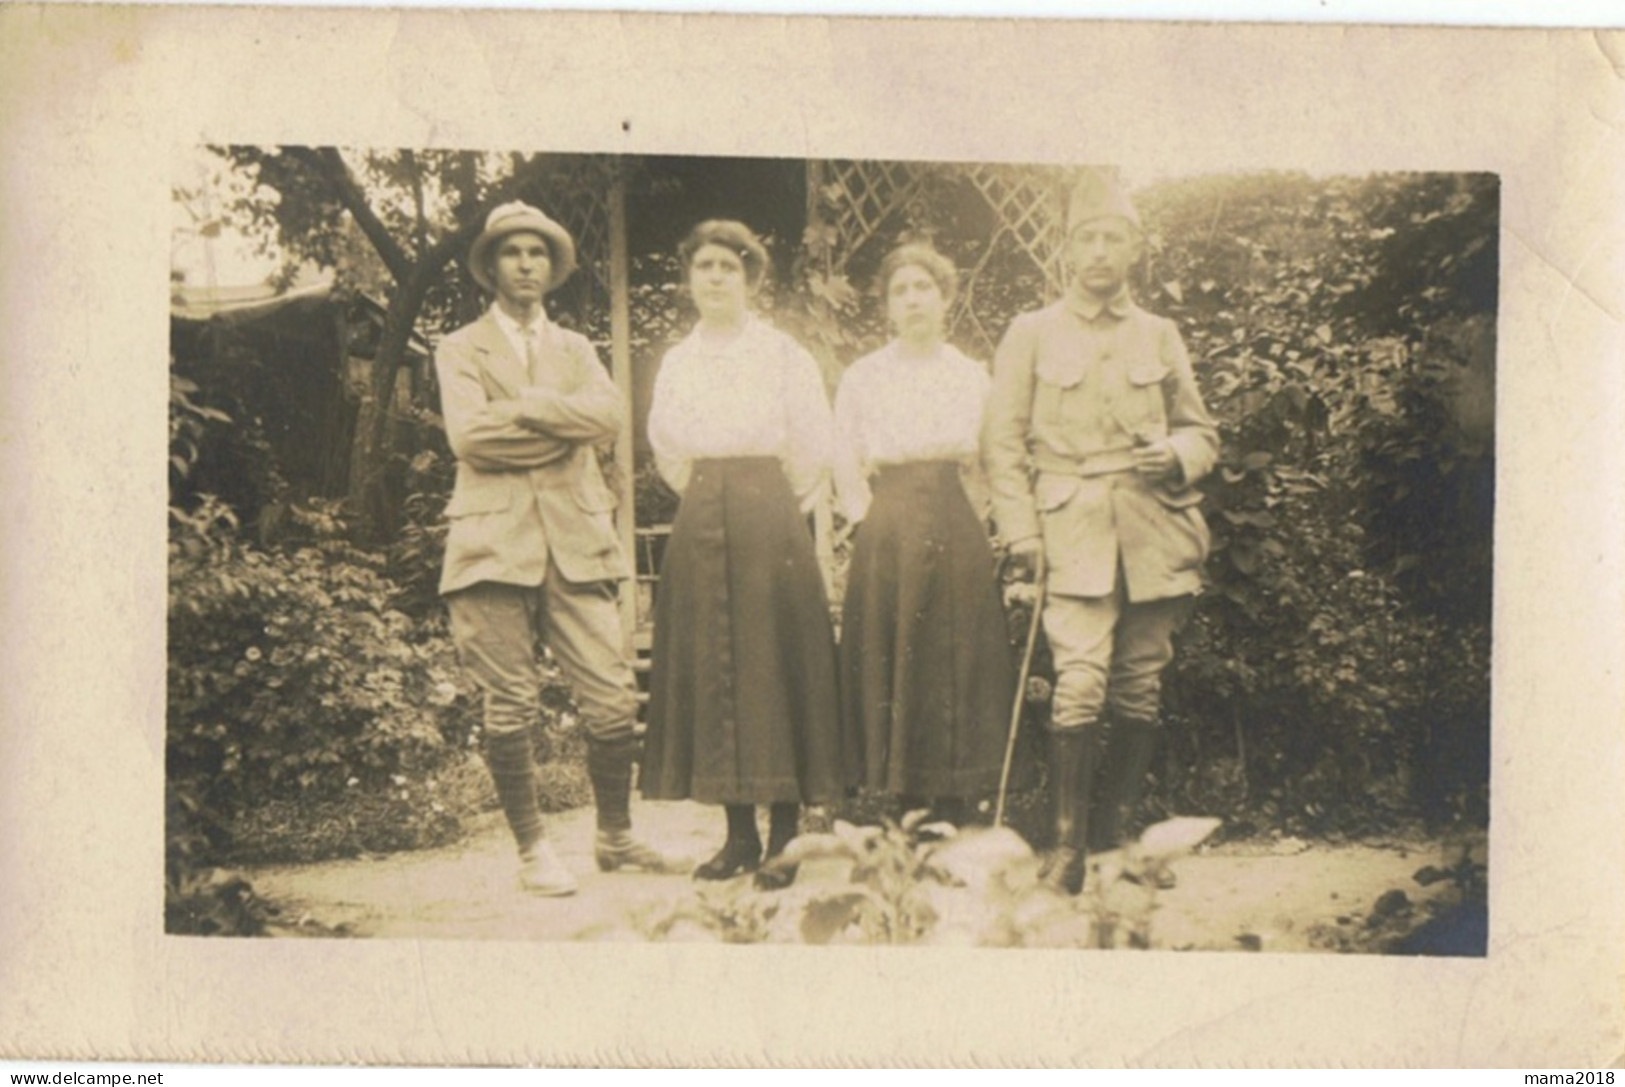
(1109, 655)
(496, 628)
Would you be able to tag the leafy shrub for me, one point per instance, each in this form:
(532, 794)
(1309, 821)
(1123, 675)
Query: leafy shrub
(290, 676)
(1336, 673)
(382, 819)
(417, 553)
(218, 442)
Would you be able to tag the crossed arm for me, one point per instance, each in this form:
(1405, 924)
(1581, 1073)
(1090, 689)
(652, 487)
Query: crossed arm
(537, 426)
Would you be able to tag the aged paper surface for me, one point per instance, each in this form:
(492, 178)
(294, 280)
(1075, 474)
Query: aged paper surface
(96, 102)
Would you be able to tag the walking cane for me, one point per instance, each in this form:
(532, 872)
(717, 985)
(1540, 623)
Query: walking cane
(1021, 692)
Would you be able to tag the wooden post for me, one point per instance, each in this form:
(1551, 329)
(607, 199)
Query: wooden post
(620, 335)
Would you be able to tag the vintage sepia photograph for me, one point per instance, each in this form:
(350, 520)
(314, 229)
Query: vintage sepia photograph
(581, 538)
(819, 551)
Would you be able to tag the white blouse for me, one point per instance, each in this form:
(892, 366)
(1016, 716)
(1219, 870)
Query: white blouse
(759, 394)
(896, 410)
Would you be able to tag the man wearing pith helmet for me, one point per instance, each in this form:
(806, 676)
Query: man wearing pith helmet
(531, 550)
(1094, 436)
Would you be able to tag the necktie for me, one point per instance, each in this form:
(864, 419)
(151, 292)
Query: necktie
(533, 351)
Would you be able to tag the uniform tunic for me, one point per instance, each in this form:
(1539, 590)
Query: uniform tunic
(1076, 387)
(926, 677)
(743, 705)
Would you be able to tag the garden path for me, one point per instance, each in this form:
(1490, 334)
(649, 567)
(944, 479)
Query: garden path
(1277, 895)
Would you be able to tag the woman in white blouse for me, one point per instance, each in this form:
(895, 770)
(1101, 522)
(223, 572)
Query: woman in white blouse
(925, 660)
(743, 707)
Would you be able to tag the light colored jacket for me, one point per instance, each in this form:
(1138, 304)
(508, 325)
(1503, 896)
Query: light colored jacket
(528, 480)
(1075, 388)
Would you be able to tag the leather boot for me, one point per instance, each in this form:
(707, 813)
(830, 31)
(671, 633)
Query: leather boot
(1129, 747)
(783, 820)
(742, 852)
(609, 766)
(1074, 758)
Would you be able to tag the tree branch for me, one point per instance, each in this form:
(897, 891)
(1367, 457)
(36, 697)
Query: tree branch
(331, 165)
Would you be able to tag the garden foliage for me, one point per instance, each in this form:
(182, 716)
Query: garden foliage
(1337, 670)
(1334, 677)
(291, 675)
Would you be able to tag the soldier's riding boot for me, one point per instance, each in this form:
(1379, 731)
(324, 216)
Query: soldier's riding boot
(1129, 748)
(783, 818)
(609, 766)
(1074, 758)
(513, 771)
(742, 852)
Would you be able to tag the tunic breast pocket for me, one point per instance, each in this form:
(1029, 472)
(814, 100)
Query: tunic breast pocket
(1146, 414)
(1057, 374)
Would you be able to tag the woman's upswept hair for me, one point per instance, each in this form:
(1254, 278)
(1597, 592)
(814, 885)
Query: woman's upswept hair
(733, 236)
(919, 255)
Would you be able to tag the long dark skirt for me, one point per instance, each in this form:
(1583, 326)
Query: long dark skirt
(927, 676)
(743, 706)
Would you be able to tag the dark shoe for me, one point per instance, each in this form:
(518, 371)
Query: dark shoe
(1063, 870)
(734, 858)
(783, 822)
(621, 850)
(775, 877)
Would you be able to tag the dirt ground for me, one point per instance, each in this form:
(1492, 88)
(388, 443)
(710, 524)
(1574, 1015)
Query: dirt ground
(1275, 895)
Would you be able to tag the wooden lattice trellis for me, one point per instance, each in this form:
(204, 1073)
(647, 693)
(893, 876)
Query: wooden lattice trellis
(859, 199)
(585, 213)
(1029, 203)
(866, 194)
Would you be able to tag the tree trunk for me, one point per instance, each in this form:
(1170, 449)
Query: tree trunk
(373, 483)
(374, 477)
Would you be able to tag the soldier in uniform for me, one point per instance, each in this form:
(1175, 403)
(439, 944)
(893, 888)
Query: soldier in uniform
(1094, 437)
(531, 551)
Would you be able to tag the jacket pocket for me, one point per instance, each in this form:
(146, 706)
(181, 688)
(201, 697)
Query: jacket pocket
(1052, 491)
(479, 494)
(1056, 373)
(1144, 411)
(593, 496)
